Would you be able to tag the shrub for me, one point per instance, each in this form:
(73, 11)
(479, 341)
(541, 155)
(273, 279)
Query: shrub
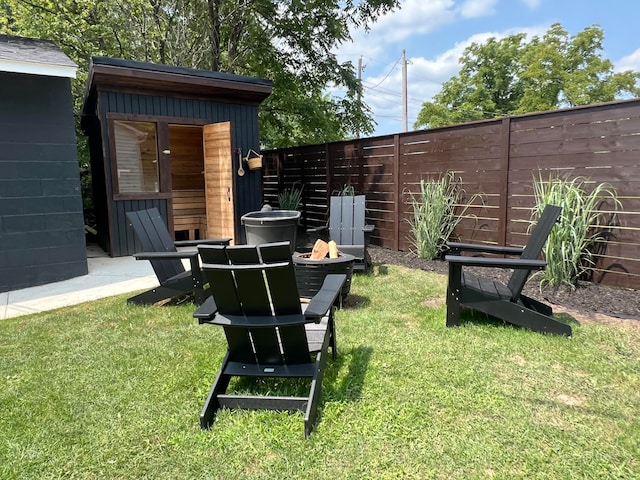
(434, 214)
(346, 191)
(583, 225)
(289, 198)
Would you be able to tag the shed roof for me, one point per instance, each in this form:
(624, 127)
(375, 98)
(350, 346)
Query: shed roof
(34, 56)
(115, 74)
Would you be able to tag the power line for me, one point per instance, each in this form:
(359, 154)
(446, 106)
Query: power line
(390, 93)
(388, 73)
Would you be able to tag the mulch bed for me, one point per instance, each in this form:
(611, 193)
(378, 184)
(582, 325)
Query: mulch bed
(588, 298)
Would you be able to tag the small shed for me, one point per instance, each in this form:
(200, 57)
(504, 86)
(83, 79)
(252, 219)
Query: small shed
(173, 138)
(42, 237)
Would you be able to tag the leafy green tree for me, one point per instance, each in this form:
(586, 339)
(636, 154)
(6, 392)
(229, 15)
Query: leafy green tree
(513, 75)
(288, 41)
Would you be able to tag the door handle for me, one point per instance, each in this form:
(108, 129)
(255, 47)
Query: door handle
(229, 194)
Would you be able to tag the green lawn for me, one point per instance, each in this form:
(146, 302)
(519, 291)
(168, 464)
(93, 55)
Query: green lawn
(106, 390)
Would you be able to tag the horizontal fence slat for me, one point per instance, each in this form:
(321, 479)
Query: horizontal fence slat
(599, 142)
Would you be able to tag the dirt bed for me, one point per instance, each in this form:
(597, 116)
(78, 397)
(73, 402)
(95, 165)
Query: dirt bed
(589, 302)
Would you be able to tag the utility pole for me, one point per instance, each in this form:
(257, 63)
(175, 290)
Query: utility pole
(359, 93)
(405, 115)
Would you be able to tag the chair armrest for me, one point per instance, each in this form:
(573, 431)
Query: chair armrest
(258, 321)
(323, 300)
(190, 254)
(206, 311)
(457, 247)
(368, 229)
(516, 263)
(208, 241)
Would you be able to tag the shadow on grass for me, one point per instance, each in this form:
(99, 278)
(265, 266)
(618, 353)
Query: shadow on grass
(355, 301)
(342, 385)
(469, 316)
(337, 383)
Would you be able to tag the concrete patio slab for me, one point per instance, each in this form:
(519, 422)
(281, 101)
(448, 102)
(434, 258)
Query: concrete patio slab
(107, 276)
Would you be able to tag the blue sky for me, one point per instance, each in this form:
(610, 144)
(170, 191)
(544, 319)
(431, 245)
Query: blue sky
(435, 32)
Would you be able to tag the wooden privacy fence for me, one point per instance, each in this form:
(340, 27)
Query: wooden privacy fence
(496, 158)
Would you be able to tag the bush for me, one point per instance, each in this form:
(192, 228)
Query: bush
(345, 191)
(582, 226)
(289, 198)
(434, 214)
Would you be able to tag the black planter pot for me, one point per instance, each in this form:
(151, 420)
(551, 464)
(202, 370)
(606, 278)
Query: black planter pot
(271, 226)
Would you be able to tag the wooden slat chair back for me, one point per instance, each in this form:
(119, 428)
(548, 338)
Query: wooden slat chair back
(268, 333)
(152, 233)
(248, 287)
(505, 302)
(160, 249)
(533, 248)
(348, 229)
(347, 219)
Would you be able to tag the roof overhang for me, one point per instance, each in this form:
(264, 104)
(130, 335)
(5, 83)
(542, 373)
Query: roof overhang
(32, 68)
(112, 74)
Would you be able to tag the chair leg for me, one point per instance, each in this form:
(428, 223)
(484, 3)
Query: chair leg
(331, 326)
(523, 317)
(311, 413)
(197, 282)
(533, 304)
(154, 295)
(212, 405)
(453, 295)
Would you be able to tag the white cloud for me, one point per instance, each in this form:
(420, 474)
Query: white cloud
(415, 17)
(477, 8)
(532, 4)
(425, 76)
(416, 24)
(629, 62)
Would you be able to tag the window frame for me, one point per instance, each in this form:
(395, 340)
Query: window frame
(162, 141)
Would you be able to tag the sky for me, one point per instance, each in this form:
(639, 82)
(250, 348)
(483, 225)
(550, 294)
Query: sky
(434, 33)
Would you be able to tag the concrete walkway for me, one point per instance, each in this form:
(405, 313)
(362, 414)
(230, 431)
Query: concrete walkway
(107, 276)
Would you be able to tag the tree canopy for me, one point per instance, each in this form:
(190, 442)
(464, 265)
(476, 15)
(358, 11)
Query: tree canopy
(513, 76)
(288, 41)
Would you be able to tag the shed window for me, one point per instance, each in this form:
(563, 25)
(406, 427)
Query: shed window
(136, 156)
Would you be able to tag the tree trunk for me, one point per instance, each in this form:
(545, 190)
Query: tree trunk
(213, 9)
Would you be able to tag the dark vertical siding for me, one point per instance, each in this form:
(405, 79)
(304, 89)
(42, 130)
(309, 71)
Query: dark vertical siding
(98, 183)
(244, 132)
(41, 220)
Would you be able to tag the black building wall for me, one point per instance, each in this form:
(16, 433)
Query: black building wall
(41, 221)
(244, 133)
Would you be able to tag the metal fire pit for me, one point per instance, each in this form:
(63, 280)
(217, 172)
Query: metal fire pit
(310, 273)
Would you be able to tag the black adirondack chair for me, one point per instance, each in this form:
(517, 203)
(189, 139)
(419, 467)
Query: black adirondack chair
(268, 332)
(160, 249)
(505, 302)
(347, 228)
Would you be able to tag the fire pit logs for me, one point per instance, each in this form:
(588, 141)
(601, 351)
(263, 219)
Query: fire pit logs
(312, 267)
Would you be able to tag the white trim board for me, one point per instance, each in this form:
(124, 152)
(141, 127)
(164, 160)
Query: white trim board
(44, 69)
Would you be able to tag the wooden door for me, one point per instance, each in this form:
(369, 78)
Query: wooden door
(218, 180)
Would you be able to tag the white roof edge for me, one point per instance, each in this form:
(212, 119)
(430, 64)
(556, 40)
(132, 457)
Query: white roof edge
(44, 69)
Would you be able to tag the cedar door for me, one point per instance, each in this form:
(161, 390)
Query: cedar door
(218, 179)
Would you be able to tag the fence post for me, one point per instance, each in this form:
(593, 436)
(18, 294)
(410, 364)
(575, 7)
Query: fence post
(328, 173)
(397, 193)
(503, 216)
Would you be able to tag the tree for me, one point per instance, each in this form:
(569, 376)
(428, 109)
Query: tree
(288, 41)
(512, 76)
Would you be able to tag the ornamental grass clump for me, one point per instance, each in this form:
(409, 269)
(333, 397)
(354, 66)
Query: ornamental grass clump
(588, 216)
(290, 198)
(434, 214)
(346, 191)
